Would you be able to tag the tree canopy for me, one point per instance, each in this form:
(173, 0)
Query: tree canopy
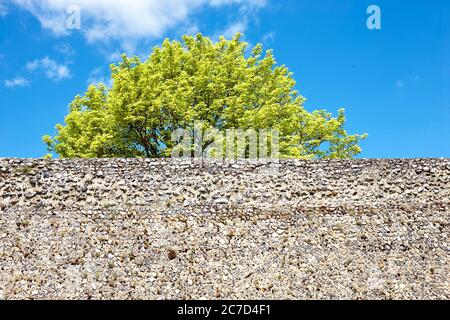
(219, 83)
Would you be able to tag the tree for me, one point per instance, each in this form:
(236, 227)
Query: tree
(219, 84)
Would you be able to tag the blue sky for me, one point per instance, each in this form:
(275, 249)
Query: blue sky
(393, 82)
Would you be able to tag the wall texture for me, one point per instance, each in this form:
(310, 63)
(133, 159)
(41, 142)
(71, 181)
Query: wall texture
(158, 229)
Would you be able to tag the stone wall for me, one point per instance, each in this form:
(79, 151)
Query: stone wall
(159, 229)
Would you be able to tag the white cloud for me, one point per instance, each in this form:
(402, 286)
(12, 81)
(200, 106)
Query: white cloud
(51, 68)
(17, 82)
(125, 20)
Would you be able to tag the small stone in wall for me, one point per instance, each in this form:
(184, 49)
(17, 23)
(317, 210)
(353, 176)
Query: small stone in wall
(172, 254)
(221, 201)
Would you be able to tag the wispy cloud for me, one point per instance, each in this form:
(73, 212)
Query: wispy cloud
(399, 84)
(269, 38)
(52, 70)
(17, 82)
(3, 9)
(128, 21)
(409, 79)
(414, 77)
(247, 15)
(97, 76)
(65, 49)
(235, 27)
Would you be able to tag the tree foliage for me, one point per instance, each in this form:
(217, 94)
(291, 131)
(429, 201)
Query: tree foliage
(219, 83)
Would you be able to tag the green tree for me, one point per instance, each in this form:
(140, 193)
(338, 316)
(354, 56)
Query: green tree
(218, 83)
